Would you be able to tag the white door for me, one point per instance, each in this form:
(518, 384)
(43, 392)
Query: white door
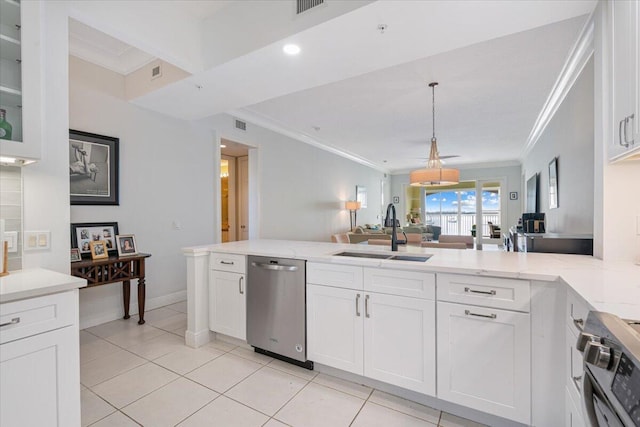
(490, 208)
(40, 380)
(228, 198)
(334, 327)
(484, 359)
(243, 197)
(227, 304)
(400, 341)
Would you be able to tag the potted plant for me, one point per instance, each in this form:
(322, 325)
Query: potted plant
(473, 230)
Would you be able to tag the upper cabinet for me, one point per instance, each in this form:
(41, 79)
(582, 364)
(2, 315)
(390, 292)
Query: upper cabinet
(625, 79)
(20, 79)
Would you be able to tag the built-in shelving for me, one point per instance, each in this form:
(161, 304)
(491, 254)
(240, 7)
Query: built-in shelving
(11, 65)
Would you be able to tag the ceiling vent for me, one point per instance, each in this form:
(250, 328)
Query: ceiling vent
(241, 125)
(156, 72)
(304, 5)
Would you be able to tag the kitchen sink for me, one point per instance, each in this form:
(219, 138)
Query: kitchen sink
(363, 255)
(415, 258)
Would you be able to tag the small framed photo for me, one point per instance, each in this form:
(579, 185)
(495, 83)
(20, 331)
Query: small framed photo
(126, 244)
(82, 234)
(98, 249)
(396, 200)
(513, 195)
(75, 255)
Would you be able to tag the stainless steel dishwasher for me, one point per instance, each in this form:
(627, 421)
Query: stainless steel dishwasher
(276, 308)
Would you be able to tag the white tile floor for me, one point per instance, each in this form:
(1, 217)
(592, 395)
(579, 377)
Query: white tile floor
(144, 375)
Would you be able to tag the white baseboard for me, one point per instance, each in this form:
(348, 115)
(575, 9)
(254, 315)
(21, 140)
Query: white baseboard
(150, 304)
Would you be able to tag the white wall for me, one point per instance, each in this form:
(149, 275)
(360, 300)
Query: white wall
(570, 137)
(511, 175)
(166, 175)
(301, 188)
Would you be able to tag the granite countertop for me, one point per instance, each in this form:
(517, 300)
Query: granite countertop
(611, 286)
(36, 282)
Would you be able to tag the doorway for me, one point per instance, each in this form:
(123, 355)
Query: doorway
(234, 191)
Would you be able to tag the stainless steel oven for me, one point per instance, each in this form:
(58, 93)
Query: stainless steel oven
(611, 389)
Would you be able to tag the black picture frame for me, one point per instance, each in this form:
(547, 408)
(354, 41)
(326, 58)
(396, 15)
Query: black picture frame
(95, 231)
(513, 195)
(93, 169)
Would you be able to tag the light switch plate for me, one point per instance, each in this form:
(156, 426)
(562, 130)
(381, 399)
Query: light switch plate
(11, 237)
(37, 240)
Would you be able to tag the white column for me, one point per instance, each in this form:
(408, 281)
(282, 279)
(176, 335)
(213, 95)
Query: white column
(197, 298)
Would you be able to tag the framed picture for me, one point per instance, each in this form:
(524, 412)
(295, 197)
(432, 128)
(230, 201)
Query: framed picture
(361, 196)
(98, 249)
(513, 195)
(75, 255)
(93, 168)
(553, 183)
(396, 199)
(126, 244)
(82, 234)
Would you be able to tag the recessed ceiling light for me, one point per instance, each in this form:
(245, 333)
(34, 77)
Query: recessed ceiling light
(223, 146)
(291, 49)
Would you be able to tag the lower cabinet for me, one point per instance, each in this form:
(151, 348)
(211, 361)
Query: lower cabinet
(573, 414)
(385, 337)
(484, 359)
(227, 304)
(39, 380)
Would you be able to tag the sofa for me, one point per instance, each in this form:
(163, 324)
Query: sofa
(363, 234)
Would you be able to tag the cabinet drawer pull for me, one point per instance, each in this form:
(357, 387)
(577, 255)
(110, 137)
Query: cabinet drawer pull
(620, 140)
(491, 292)
(488, 316)
(13, 321)
(579, 323)
(226, 262)
(576, 382)
(366, 306)
(240, 285)
(357, 305)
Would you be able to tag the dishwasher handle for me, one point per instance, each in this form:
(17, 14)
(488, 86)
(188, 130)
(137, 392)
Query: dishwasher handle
(275, 267)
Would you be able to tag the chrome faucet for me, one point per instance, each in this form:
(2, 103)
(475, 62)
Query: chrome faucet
(393, 223)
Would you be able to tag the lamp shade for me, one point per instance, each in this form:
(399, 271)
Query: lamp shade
(434, 177)
(352, 205)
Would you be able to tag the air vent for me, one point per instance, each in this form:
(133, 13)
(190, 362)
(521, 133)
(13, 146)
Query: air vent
(156, 72)
(304, 5)
(241, 125)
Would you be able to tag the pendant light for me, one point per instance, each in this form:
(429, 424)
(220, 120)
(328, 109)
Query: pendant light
(434, 174)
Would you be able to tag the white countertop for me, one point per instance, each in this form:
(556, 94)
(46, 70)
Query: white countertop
(607, 286)
(36, 282)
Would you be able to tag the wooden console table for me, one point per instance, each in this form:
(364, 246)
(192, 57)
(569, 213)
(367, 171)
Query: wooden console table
(115, 269)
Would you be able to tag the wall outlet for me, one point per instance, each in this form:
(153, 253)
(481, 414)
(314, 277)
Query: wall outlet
(176, 224)
(37, 240)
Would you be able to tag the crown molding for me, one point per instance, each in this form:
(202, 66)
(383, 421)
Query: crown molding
(580, 54)
(278, 127)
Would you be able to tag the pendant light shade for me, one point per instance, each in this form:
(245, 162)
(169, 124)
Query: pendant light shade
(434, 174)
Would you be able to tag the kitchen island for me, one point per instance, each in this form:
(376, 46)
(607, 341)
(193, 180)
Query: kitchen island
(495, 329)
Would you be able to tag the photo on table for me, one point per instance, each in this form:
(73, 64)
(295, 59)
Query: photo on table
(98, 249)
(126, 244)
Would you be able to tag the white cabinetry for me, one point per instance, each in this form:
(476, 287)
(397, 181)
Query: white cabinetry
(20, 77)
(39, 361)
(379, 335)
(484, 353)
(625, 78)
(227, 302)
(576, 313)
